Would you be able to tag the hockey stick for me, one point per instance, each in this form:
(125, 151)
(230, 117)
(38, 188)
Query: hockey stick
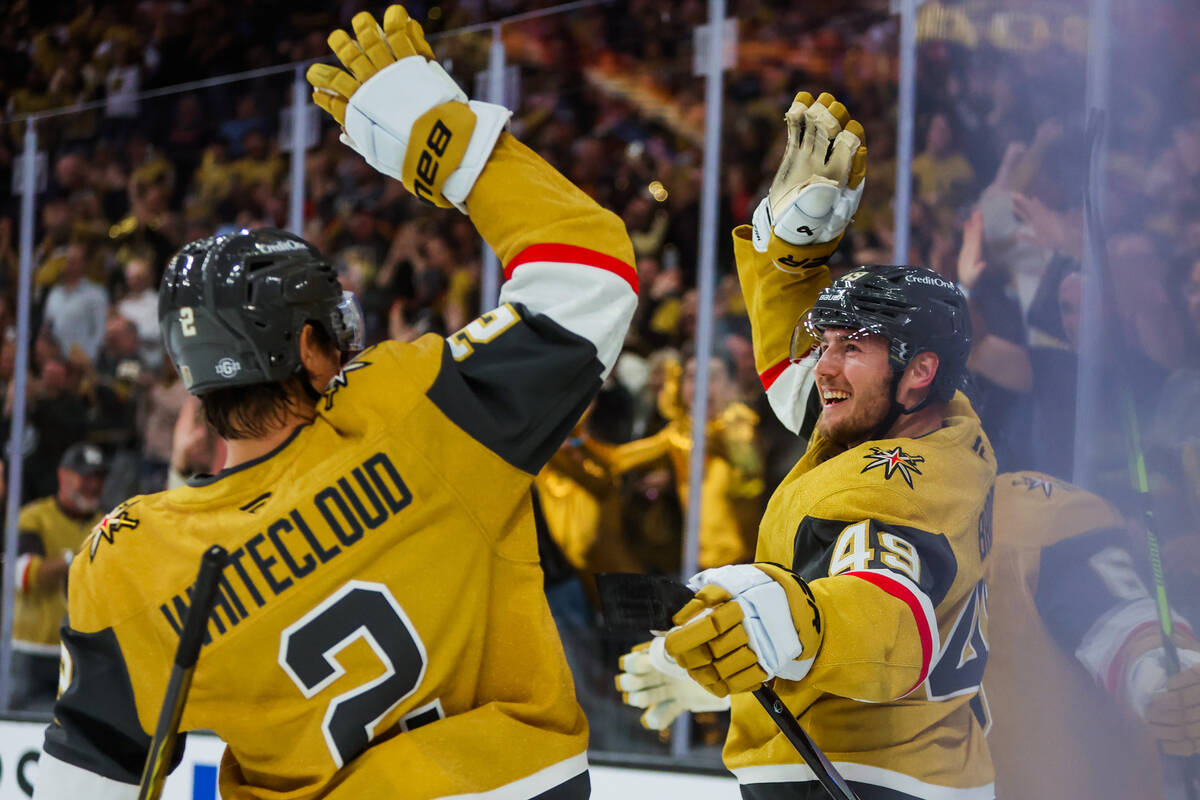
(631, 601)
(162, 746)
(826, 773)
(1137, 459)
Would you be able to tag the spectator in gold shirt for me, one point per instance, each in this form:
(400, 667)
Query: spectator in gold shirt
(732, 488)
(50, 531)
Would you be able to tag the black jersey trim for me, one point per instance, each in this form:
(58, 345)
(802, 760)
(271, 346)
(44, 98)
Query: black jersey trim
(813, 790)
(30, 543)
(577, 788)
(1070, 596)
(96, 725)
(203, 479)
(520, 393)
(812, 552)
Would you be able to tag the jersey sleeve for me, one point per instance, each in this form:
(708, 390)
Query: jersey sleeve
(95, 746)
(1096, 606)
(519, 377)
(779, 287)
(31, 549)
(878, 584)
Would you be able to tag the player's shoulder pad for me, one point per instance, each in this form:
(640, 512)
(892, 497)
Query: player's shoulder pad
(855, 496)
(1037, 509)
(391, 375)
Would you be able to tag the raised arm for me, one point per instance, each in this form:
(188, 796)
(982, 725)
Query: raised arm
(781, 256)
(518, 377)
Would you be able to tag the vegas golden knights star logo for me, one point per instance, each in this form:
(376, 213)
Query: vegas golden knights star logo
(894, 461)
(116, 520)
(340, 381)
(1033, 484)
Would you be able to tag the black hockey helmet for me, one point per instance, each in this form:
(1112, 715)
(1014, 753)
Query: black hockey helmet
(916, 309)
(231, 308)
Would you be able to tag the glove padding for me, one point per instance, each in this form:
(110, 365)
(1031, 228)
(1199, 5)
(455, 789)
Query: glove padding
(817, 188)
(403, 113)
(748, 623)
(1173, 715)
(651, 680)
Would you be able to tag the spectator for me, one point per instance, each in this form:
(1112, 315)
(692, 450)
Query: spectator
(57, 416)
(50, 532)
(732, 486)
(76, 307)
(140, 306)
(943, 175)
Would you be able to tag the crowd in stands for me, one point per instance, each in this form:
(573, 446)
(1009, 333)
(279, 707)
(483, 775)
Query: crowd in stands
(609, 95)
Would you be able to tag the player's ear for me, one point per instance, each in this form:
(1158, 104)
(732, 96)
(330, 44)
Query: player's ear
(918, 376)
(319, 356)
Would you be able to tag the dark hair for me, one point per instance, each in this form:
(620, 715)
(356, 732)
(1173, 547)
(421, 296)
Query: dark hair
(250, 412)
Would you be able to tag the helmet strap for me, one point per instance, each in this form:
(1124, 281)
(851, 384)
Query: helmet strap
(894, 411)
(897, 410)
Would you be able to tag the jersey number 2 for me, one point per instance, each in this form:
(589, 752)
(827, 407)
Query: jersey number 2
(308, 651)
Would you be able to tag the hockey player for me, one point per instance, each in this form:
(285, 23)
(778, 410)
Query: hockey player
(381, 629)
(1079, 657)
(865, 605)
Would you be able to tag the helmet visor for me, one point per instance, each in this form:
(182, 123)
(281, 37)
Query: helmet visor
(807, 333)
(349, 325)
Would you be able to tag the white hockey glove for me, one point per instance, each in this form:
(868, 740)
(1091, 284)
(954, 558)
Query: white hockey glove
(1146, 678)
(817, 188)
(400, 110)
(748, 623)
(651, 680)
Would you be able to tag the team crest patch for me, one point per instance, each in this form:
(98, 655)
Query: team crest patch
(116, 520)
(339, 381)
(893, 461)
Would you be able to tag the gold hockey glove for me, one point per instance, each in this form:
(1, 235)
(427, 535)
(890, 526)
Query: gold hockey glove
(748, 623)
(400, 110)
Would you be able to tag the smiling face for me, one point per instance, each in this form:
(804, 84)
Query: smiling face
(854, 381)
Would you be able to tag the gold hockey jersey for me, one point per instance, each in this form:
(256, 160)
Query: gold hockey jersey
(1061, 581)
(892, 536)
(381, 630)
(43, 529)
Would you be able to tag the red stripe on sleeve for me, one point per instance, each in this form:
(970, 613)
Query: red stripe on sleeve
(571, 254)
(898, 590)
(1116, 667)
(771, 374)
(23, 581)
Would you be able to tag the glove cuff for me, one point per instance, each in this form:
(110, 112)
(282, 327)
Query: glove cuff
(382, 112)
(806, 616)
(793, 259)
(490, 121)
(661, 660)
(1147, 676)
(768, 616)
